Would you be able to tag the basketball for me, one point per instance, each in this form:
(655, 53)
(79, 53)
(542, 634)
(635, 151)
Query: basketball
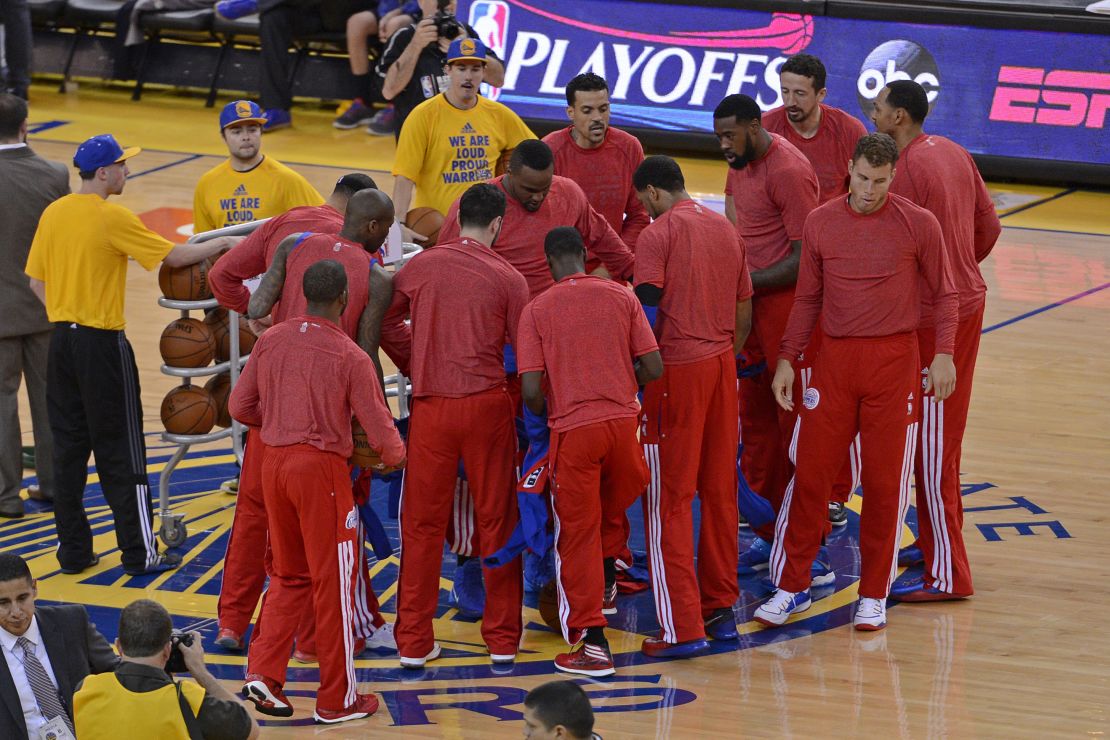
(189, 283)
(188, 409)
(219, 387)
(426, 222)
(548, 605)
(362, 455)
(217, 321)
(187, 343)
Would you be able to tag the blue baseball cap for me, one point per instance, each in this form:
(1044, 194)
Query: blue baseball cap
(241, 111)
(468, 49)
(101, 151)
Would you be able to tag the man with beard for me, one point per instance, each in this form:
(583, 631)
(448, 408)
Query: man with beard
(249, 185)
(771, 188)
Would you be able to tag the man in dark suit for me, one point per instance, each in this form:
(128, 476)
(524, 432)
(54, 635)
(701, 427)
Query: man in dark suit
(29, 183)
(48, 651)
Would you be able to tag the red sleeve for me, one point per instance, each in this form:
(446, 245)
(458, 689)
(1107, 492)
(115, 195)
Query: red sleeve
(651, 260)
(529, 348)
(987, 226)
(636, 217)
(744, 289)
(396, 337)
(244, 404)
(368, 402)
(517, 299)
(641, 339)
(601, 241)
(796, 196)
(808, 297)
(933, 259)
(450, 229)
(245, 260)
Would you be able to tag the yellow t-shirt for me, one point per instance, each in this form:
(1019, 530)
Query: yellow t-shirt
(80, 251)
(104, 710)
(445, 150)
(225, 197)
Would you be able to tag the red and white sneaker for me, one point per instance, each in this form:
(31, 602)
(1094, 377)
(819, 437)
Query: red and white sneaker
(267, 696)
(229, 639)
(586, 660)
(304, 657)
(418, 663)
(364, 706)
(609, 601)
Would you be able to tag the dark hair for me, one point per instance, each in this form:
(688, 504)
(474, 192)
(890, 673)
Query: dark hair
(562, 703)
(12, 567)
(350, 184)
(585, 82)
(806, 65)
(661, 172)
(533, 154)
(324, 282)
(13, 112)
(144, 628)
(910, 97)
(480, 204)
(563, 241)
(879, 149)
(742, 107)
(87, 174)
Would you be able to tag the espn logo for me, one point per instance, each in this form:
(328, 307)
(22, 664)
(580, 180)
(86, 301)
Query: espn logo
(1059, 98)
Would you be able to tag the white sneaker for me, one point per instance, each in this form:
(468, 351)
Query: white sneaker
(382, 638)
(507, 659)
(870, 614)
(777, 609)
(416, 663)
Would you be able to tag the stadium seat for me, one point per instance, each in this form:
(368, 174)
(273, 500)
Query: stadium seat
(87, 17)
(180, 25)
(242, 31)
(45, 13)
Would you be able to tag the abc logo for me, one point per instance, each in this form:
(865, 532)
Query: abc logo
(897, 60)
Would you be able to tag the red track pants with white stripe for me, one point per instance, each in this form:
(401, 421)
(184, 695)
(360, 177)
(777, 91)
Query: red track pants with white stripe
(690, 432)
(597, 471)
(865, 386)
(940, 510)
(481, 431)
(313, 522)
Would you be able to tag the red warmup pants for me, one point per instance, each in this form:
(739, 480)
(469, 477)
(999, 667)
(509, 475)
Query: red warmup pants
(865, 386)
(689, 432)
(940, 511)
(597, 471)
(313, 523)
(481, 431)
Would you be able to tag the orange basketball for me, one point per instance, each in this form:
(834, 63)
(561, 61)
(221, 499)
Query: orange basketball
(189, 283)
(219, 387)
(187, 343)
(426, 222)
(547, 603)
(363, 455)
(216, 320)
(188, 409)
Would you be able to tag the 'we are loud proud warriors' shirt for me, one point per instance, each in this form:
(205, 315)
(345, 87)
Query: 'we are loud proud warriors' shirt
(445, 150)
(225, 197)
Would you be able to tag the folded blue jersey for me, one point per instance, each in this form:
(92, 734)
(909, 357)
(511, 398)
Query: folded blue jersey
(531, 531)
(756, 509)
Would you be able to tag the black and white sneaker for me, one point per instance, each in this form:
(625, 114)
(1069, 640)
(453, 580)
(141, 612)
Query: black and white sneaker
(838, 514)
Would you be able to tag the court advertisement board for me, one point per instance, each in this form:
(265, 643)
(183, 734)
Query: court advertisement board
(1010, 93)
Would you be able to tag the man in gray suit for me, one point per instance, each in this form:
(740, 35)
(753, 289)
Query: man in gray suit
(47, 652)
(29, 183)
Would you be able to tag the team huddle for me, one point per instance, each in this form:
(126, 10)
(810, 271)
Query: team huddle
(820, 334)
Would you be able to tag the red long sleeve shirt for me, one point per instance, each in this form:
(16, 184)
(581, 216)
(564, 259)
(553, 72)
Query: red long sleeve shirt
(773, 195)
(940, 176)
(523, 233)
(304, 380)
(697, 259)
(863, 275)
(464, 301)
(828, 150)
(605, 176)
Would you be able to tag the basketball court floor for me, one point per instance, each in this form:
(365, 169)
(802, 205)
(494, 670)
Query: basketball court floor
(1027, 656)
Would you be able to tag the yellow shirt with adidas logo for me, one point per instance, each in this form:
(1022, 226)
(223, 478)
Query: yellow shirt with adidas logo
(225, 197)
(445, 150)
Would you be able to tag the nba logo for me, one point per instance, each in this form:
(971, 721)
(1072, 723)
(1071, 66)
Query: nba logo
(490, 19)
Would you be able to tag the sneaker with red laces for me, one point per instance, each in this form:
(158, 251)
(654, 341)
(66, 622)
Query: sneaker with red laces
(229, 639)
(609, 601)
(267, 696)
(364, 706)
(586, 660)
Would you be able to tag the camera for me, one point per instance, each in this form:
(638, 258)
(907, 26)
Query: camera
(447, 25)
(176, 663)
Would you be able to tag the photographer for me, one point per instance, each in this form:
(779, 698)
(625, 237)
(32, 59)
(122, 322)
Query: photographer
(141, 696)
(412, 64)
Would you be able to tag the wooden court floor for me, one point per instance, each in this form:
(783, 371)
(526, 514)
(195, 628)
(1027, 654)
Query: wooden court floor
(1028, 656)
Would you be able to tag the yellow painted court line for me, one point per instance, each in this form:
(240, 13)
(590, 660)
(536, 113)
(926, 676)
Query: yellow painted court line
(1084, 211)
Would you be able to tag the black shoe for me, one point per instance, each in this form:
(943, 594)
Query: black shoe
(28, 458)
(74, 571)
(838, 514)
(13, 510)
(166, 561)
